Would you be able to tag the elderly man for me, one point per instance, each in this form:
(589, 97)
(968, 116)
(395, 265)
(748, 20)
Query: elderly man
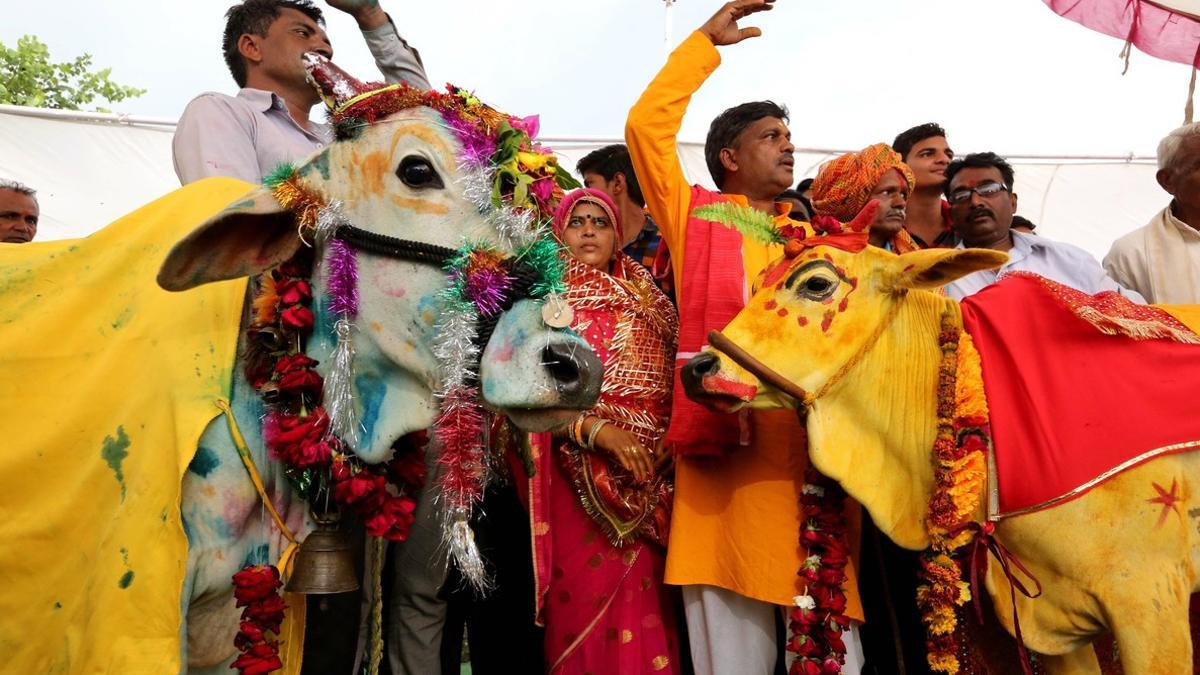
(247, 136)
(980, 190)
(848, 183)
(734, 527)
(1162, 260)
(18, 212)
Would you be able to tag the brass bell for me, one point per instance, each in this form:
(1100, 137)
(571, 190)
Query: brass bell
(324, 564)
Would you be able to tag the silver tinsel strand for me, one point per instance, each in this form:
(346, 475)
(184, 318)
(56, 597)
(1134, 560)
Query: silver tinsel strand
(460, 541)
(329, 218)
(454, 347)
(339, 387)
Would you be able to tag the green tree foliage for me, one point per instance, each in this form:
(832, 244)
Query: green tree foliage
(28, 77)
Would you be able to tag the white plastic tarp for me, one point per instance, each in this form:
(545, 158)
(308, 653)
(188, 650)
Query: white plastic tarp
(89, 169)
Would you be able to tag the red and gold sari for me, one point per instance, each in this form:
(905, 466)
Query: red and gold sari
(598, 534)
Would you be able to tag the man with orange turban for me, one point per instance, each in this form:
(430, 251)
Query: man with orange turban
(848, 183)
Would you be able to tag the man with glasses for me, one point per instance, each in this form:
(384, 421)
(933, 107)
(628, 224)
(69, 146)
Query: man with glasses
(979, 188)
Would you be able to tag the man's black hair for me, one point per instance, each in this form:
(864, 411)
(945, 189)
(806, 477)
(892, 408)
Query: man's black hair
(608, 162)
(907, 139)
(1021, 221)
(803, 185)
(725, 129)
(795, 194)
(980, 160)
(255, 17)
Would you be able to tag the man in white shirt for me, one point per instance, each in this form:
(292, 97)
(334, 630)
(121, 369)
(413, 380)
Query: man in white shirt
(267, 124)
(1162, 260)
(979, 188)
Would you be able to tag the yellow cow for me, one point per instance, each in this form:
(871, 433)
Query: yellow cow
(856, 337)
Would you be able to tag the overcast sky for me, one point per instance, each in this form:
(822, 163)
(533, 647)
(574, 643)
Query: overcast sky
(1004, 75)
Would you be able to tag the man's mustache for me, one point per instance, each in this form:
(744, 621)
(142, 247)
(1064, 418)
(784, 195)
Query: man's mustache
(897, 212)
(980, 211)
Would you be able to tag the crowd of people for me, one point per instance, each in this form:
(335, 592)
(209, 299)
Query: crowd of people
(685, 556)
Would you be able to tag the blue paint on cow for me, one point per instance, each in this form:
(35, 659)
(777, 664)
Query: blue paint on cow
(259, 555)
(371, 391)
(57, 605)
(114, 451)
(125, 579)
(204, 462)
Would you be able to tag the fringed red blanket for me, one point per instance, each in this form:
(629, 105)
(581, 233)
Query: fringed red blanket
(1080, 387)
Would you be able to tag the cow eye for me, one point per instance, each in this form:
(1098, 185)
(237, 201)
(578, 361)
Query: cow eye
(418, 173)
(818, 287)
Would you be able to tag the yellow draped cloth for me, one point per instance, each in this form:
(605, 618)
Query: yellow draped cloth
(106, 383)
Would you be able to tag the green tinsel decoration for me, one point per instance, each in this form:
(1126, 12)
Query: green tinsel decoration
(278, 175)
(544, 255)
(753, 224)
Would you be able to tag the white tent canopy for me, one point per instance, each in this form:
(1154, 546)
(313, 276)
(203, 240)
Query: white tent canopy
(90, 168)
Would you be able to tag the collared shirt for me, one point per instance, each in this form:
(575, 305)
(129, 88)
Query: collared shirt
(947, 238)
(646, 249)
(1064, 263)
(247, 136)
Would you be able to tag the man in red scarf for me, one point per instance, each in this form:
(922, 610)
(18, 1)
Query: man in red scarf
(735, 526)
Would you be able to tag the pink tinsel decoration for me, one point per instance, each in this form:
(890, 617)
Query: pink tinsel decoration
(487, 288)
(459, 431)
(343, 279)
(478, 146)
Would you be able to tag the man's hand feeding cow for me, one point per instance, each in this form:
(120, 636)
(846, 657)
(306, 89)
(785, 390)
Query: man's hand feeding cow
(1089, 492)
(422, 228)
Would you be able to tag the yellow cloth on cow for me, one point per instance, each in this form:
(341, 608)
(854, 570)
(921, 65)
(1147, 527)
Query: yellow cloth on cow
(108, 383)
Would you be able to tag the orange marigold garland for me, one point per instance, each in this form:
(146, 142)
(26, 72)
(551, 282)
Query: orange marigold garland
(960, 474)
(818, 619)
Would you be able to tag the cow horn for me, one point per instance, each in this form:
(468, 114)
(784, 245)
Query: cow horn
(862, 222)
(335, 85)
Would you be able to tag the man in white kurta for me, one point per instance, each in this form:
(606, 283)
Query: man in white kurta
(1162, 260)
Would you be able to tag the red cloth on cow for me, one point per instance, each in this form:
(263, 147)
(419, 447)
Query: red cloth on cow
(1069, 403)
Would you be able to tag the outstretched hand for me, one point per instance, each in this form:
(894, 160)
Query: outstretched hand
(722, 28)
(367, 13)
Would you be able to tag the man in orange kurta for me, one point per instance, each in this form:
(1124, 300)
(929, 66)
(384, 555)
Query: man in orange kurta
(734, 543)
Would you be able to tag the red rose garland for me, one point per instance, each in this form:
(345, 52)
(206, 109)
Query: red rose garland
(818, 617)
(256, 589)
(295, 431)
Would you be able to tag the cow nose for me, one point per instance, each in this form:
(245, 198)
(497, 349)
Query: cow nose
(695, 370)
(576, 372)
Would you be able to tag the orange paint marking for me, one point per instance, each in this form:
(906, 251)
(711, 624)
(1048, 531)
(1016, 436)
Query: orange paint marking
(782, 312)
(771, 304)
(376, 327)
(802, 320)
(420, 205)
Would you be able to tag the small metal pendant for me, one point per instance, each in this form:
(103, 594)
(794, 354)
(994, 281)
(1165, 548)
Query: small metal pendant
(556, 312)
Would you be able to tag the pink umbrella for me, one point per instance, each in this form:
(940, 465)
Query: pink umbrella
(1167, 29)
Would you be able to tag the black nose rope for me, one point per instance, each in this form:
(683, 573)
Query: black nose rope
(524, 275)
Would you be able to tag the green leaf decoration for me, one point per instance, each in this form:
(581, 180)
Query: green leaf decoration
(753, 224)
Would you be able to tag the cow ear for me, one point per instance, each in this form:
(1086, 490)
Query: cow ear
(250, 236)
(933, 268)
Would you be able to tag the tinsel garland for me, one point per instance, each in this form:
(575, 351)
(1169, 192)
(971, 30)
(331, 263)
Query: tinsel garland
(818, 617)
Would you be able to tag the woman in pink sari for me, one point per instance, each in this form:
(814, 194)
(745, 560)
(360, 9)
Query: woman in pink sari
(598, 506)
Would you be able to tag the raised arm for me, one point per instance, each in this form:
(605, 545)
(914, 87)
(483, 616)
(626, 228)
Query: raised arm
(397, 61)
(654, 120)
